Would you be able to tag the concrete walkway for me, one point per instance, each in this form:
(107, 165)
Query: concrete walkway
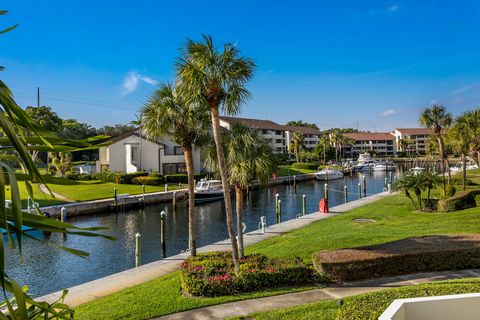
(44, 189)
(246, 307)
(105, 286)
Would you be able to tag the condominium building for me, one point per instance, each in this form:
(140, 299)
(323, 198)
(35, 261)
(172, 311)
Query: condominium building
(279, 136)
(417, 136)
(381, 143)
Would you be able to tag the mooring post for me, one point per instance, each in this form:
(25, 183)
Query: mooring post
(386, 182)
(389, 188)
(325, 191)
(277, 198)
(390, 176)
(364, 186)
(29, 204)
(166, 187)
(143, 194)
(359, 190)
(137, 249)
(295, 181)
(263, 223)
(279, 214)
(163, 216)
(115, 202)
(304, 205)
(63, 214)
(174, 200)
(345, 193)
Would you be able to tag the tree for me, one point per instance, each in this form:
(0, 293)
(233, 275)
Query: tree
(72, 129)
(338, 141)
(248, 157)
(297, 144)
(417, 182)
(115, 130)
(167, 113)
(405, 144)
(216, 80)
(300, 123)
(61, 161)
(45, 117)
(324, 149)
(13, 123)
(462, 135)
(437, 118)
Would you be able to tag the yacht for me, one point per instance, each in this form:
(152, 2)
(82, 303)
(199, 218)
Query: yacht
(384, 166)
(328, 174)
(208, 190)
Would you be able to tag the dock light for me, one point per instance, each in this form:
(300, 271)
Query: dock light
(325, 191)
(279, 213)
(304, 205)
(163, 216)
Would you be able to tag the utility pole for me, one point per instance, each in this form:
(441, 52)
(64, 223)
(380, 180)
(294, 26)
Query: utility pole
(38, 96)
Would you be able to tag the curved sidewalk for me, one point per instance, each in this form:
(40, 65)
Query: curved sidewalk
(246, 307)
(105, 286)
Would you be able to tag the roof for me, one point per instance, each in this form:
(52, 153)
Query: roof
(254, 123)
(267, 124)
(130, 133)
(415, 131)
(369, 136)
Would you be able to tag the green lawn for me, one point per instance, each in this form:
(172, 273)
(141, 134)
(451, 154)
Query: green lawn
(366, 306)
(155, 298)
(83, 190)
(285, 171)
(394, 219)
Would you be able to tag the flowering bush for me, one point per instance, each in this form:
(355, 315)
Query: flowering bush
(212, 274)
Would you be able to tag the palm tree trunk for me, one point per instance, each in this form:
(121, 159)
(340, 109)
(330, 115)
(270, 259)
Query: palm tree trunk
(239, 207)
(324, 154)
(447, 167)
(442, 163)
(192, 245)
(226, 190)
(464, 163)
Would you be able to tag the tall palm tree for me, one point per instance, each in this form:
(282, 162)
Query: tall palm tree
(297, 144)
(337, 139)
(437, 118)
(324, 141)
(462, 134)
(405, 144)
(216, 79)
(248, 158)
(167, 113)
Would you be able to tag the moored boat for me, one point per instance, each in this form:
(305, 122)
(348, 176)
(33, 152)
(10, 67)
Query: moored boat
(328, 174)
(208, 190)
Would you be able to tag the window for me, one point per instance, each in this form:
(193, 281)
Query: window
(264, 131)
(134, 154)
(174, 168)
(278, 132)
(278, 141)
(177, 150)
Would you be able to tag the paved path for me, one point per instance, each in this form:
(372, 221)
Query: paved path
(246, 307)
(43, 188)
(105, 286)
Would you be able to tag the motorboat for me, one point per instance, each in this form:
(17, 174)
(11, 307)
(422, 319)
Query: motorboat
(384, 166)
(328, 174)
(208, 190)
(417, 170)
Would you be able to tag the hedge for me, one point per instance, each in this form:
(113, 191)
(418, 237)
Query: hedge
(410, 255)
(149, 180)
(306, 165)
(461, 200)
(212, 274)
(182, 178)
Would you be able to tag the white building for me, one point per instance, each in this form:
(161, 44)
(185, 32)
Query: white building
(418, 136)
(131, 152)
(279, 136)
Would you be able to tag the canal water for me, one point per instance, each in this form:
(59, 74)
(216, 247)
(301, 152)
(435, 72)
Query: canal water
(46, 269)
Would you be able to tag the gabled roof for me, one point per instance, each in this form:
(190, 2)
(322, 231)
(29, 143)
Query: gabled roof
(130, 133)
(369, 136)
(254, 123)
(415, 131)
(304, 130)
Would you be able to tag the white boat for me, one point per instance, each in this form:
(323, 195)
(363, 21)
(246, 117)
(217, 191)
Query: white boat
(328, 174)
(384, 166)
(208, 190)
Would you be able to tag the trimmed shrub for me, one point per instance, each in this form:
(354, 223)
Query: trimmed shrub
(106, 176)
(306, 165)
(126, 178)
(182, 178)
(462, 200)
(81, 177)
(459, 181)
(212, 274)
(410, 255)
(149, 180)
(450, 190)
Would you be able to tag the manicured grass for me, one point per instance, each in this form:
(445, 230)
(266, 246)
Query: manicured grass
(367, 306)
(285, 171)
(83, 190)
(395, 219)
(155, 298)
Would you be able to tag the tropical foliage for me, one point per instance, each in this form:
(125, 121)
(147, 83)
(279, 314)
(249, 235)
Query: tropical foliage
(168, 112)
(248, 158)
(297, 144)
(418, 182)
(14, 122)
(216, 80)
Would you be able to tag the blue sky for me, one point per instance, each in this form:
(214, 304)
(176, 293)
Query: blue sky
(335, 63)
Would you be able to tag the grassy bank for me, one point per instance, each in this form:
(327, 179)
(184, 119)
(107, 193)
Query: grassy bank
(83, 190)
(366, 306)
(285, 171)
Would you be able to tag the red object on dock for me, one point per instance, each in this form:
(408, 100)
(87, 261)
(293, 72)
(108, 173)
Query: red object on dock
(323, 206)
